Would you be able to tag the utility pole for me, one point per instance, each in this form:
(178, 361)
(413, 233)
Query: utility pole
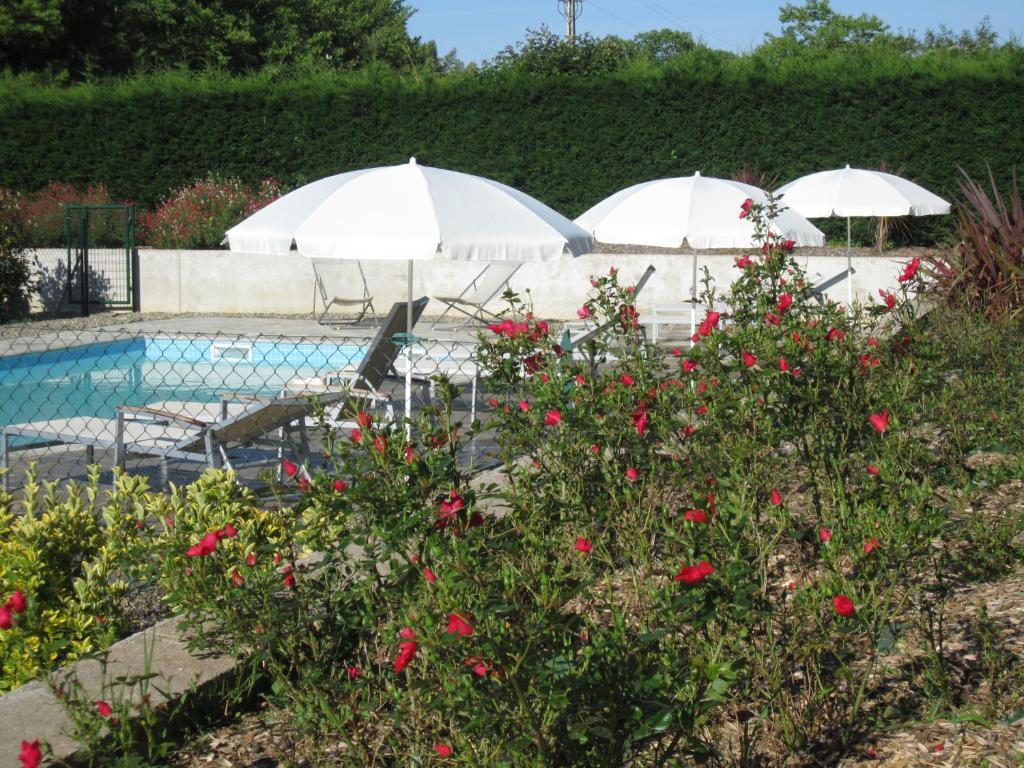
(571, 10)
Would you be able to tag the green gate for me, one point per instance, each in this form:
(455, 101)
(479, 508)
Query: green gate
(101, 263)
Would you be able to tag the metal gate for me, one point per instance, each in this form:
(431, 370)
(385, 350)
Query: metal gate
(102, 269)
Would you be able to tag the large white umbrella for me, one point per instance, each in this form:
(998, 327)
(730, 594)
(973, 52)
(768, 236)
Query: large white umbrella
(857, 192)
(410, 212)
(702, 211)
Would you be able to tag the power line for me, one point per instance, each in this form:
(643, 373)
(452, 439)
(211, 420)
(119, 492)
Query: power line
(616, 16)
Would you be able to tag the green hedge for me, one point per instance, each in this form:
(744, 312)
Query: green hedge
(568, 141)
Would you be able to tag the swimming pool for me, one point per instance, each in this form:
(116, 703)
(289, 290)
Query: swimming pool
(94, 379)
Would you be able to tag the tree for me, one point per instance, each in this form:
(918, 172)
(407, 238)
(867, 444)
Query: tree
(815, 27)
(982, 39)
(117, 37)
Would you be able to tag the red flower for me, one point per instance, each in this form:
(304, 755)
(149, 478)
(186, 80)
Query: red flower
(104, 709)
(632, 475)
(16, 602)
(825, 534)
(552, 418)
(493, 402)
(6, 617)
(357, 435)
(745, 208)
(380, 443)
(888, 298)
(783, 365)
(524, 406)
(228, 531)
(743, 262)
(788, 245)
(595, 449)
(770, 318)
(443, 750)
(236, 578)
(880, 421)
(627, 380)
(583, 545)
(429, 575)
(749, 360)
(689, 366)
(250, 559)
(339, 485)
(477, 666)
(583, 312)
(776, 497)
(872, 470)
(695, 516)
(290, 468)
(872, 342)
(910, 270)
(410, 455)
(354, 673)
(31, 755)
(843, 605)
(677, 352)
(640, 418)
(364, 420)
(206, 546)
(785, 302)
(406, 649)
(459, 626)
(303, 484)
(871, 546)
(938, 748)
(834, 334)
(694, 574)
(289, 577)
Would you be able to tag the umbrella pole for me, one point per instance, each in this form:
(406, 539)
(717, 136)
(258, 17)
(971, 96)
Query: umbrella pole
(849, 267)
(693, 297)
(408, 354)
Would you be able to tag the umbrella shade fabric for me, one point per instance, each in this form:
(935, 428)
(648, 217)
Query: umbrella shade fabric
(410, 212)
(700, 210)
(856, 192)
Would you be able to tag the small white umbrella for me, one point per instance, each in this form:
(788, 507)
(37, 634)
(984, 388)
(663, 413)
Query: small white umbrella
(857, 192)
(410, 212)
(703, 211)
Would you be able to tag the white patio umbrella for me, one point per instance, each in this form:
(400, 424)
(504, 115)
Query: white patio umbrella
(857, 192)
(409, 212)
(702, 211)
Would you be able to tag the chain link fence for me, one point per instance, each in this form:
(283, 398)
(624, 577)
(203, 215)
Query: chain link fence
(168, 404)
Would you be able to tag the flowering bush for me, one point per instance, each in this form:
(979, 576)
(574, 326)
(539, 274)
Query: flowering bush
(43, 214)
(197, 216)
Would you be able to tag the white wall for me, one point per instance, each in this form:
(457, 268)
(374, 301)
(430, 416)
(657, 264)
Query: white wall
(221, 281)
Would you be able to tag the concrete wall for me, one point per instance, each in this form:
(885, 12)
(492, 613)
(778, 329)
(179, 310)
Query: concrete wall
(221, 281)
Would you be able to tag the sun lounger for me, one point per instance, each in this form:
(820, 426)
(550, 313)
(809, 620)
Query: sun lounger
(482, 289)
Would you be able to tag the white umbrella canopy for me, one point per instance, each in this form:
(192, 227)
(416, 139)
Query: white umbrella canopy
(410, 212)
(858, 192)
(703, 211)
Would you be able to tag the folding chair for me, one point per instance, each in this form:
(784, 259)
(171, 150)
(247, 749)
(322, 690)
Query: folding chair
(365, 303)
(481, 289)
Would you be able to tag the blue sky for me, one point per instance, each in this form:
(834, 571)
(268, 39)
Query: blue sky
(477, 29)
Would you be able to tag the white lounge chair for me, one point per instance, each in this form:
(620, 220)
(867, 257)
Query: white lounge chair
(171, 434)
(364, 302)
(482, 289)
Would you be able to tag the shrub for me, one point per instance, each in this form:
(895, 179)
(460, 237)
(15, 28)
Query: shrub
(985, 271)
(44, 212)
(197, 216)
(15, 268)
(72, 555)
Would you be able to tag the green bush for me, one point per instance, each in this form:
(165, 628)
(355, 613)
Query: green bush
(15, 267)
(569, 141)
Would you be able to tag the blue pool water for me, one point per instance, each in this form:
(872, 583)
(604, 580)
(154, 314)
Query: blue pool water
(94, 379)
